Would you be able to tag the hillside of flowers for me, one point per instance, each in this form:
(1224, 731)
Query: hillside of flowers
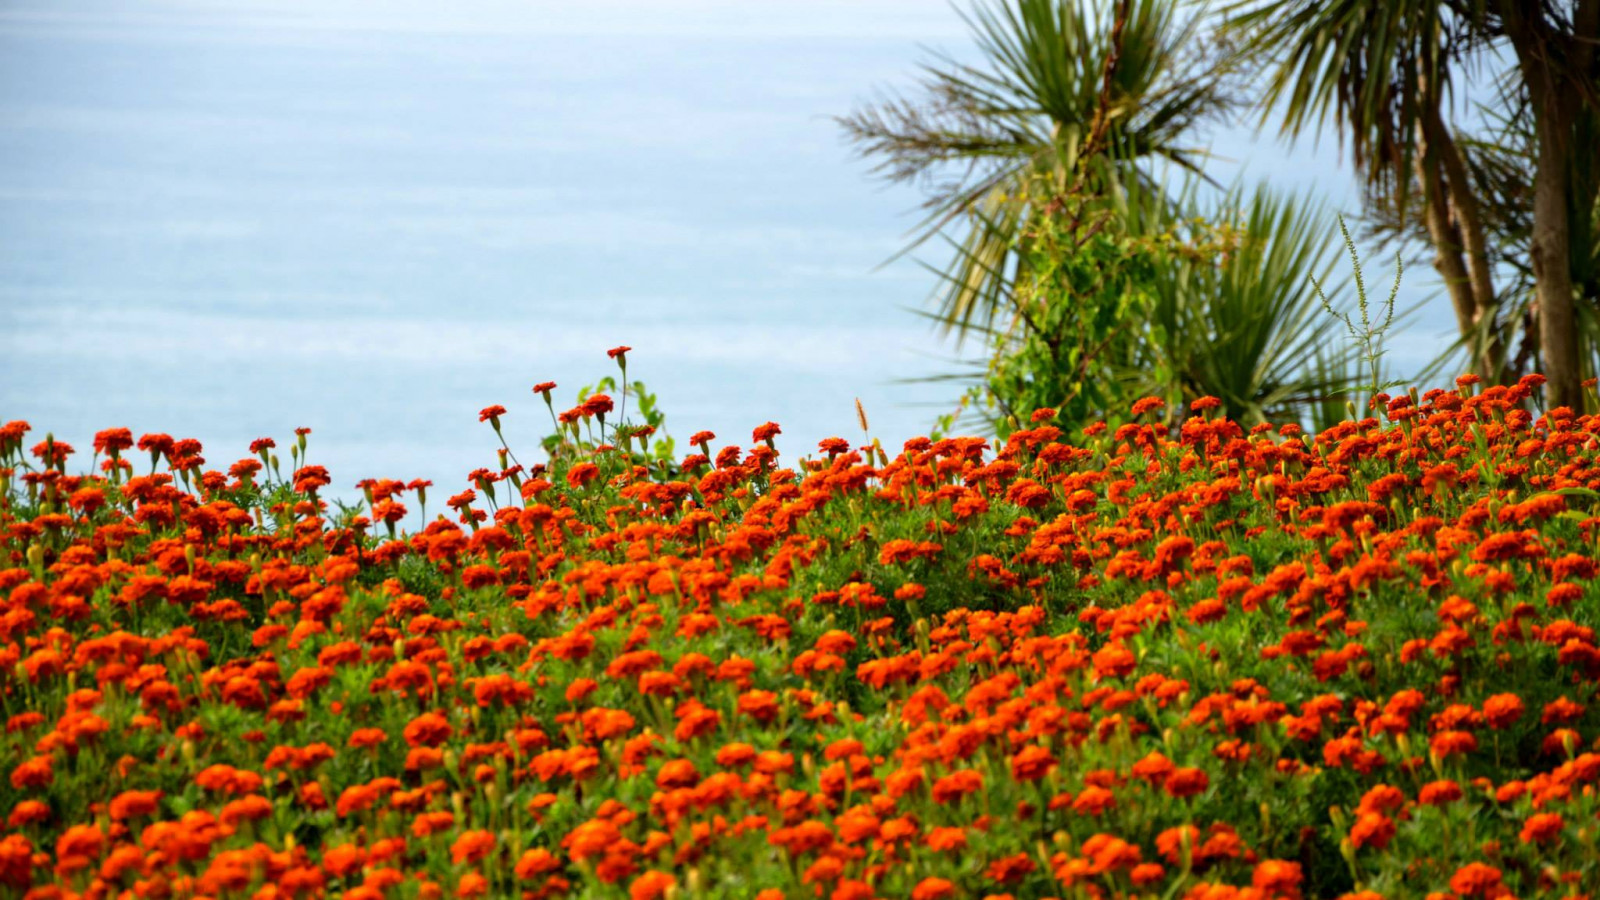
(1170, 658)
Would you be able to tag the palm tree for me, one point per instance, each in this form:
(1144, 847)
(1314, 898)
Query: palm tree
(1246, 326)
(1056, 81)
(1386, 70)
(1502, 163)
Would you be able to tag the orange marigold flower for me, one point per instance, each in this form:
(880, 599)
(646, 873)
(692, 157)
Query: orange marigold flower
(343, 860)
(1170, 843)
(1450, 743)
(1187, 782)
(1542, 828)
(677, 773)
(1502, 710)
(83, 842)
(428, 730)
(1109, 853)
(33, 773)
(1032, 763)
(933, 889)
(1092, 801)
(652, 885)
(1372, 829)
(1114, 660)
(132, 804)
(1438, 793)
(1382, 798)
(956, 785)
(28, 812)
(1154, 768)
(592, 838)
(536, 862)
(1277, 878)
(582, 473)
(1010, 869)
(759, 705)
(1561, 711)
(1476, 879)
(248, 808)
(366, 737)
(1146, 874)
(472, 846)
(472, 884)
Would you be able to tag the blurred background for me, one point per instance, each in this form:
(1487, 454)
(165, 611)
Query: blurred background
(224, 220)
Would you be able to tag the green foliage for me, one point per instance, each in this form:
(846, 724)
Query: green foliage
(1090, 281)
(1121, 296)
(1048, 77)
(1369, 336)
(643, 440)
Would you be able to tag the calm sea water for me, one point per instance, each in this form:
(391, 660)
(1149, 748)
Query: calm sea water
(227, 220)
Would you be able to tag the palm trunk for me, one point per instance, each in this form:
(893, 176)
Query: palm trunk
(1554, 94)
(1447, 258)
(1552, 261)
(1489, 354)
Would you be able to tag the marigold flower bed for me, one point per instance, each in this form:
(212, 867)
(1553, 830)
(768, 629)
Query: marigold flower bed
(1137, 661)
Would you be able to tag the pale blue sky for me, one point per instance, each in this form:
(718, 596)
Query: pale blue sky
(228, 219)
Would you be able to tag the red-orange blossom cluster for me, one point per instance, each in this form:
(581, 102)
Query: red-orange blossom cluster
(1202, 662)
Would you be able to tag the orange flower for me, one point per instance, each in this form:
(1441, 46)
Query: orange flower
(28, 812)
(933, 889)
(652, 885)
(536, 862)
(343, 860)
(1187, 782)
(1146, 404)
(1542, 828)
(1109, 853)
(1092, 801)
(582, 474)
(592, 838)
(1372, 829)
(952, 787)
(78, 847)
(1476, 879)
(759, 705)
(472, 846)
(1439, 793)
(1154, 768)
(1382, 798)
(1450, 743)
(1276, 877)
(32, 773)
(16, 861)
(1031, 763)
(1502, 710)
(428, 730)
(676, 774)
(367, 737)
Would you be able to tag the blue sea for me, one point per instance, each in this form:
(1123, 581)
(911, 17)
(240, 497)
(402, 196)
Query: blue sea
(225, 220)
